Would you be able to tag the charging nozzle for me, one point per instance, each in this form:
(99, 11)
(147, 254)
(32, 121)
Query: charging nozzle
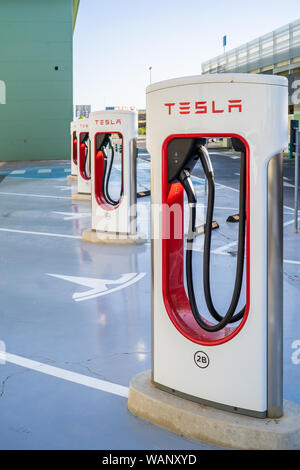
(185, 180)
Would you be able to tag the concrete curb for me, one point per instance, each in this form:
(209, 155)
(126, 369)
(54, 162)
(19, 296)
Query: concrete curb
(92, 236)
(81, 197)
(210, 425)
(71, 178)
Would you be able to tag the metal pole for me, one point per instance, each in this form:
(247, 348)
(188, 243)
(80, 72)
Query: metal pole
(132, 194)
(275, 289)
(296, 181)
(150, 69)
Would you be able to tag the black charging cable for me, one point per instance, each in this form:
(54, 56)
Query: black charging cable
(185, 179)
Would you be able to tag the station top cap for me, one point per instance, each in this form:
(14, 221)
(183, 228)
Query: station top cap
(110, 112)
(259, 79)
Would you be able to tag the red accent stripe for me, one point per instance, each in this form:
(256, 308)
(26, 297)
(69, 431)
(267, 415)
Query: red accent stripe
(82, 157)
(74, 156)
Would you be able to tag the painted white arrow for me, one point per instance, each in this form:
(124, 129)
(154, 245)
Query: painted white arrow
(99, 286)
(72, 215)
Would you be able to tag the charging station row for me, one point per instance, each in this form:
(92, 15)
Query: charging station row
(104, 159)
(228, 358)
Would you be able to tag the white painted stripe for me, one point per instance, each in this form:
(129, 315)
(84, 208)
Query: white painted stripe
(45, 170)
(291, 261)
(289, 222)
(33, 195)
(64, 374)
(46, 234)
(67, 170)
(18, 172)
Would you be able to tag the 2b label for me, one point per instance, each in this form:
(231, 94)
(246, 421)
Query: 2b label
(201, 359)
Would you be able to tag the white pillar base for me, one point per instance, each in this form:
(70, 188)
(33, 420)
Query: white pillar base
(210, 425)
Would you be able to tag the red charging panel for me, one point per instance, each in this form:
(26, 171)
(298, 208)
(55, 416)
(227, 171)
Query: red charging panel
(173, 290)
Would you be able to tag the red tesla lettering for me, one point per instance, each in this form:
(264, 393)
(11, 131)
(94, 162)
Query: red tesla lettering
(235, 104)
(169, 106)
(201, 107)
(214, 110)
(118, 121)
(184, 108)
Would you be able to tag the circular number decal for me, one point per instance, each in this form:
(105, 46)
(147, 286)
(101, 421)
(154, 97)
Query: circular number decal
(201, 359)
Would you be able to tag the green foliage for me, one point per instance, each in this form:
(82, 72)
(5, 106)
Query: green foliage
(142, 130)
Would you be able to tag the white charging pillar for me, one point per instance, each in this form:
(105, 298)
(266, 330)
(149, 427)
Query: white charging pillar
(240, 367)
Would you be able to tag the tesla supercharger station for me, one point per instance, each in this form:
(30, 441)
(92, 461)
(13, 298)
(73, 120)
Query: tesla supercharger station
(84, 160)
(113, 168)
(74, 157)
(233, 363)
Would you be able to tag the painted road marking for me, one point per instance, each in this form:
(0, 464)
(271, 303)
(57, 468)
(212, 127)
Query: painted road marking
(72, 215)
(46, 234)
(33, 195)
(99, 286)
(18, 172)
(289, 222)
(221, 250)
(87, 381)
(45, 170)
(291, 261)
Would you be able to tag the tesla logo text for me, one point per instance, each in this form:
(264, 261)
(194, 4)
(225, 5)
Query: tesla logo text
(107, 122)
(203, 107)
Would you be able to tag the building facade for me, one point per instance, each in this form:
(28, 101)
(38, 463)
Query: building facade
(277, 52)
(36, 78)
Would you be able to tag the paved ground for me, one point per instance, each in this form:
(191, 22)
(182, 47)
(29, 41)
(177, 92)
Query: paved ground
(75, 335)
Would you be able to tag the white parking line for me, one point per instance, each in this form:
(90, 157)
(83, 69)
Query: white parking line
(33, 195)
(18, 172)
(289, 222)
(64, 374)
(45, 170)
(46, 234)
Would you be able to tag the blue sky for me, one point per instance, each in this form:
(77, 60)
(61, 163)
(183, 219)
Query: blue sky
(116, 42)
